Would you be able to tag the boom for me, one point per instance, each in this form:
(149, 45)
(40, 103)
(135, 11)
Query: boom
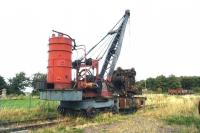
(115, 48)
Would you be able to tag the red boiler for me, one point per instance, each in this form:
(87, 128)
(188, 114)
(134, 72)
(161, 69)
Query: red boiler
(60, 62)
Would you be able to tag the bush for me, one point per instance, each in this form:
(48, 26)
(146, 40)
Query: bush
(196, 89)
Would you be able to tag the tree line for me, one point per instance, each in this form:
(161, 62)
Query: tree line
(17, 84)
(162, 83)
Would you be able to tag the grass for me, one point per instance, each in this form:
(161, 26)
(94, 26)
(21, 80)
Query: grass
(19, 109)
(61, 128)
(162, 110)
(184, 120)
(78, 123)
(161, 106)
(25, 102)
(174, 111)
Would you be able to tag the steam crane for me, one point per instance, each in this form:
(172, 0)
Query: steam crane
(90, 90)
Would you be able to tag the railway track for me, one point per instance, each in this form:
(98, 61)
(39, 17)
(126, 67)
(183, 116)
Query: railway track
(26, 125)
(5, 123)
(8, 127)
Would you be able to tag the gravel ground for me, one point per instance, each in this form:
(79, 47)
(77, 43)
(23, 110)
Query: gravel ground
(136, 125)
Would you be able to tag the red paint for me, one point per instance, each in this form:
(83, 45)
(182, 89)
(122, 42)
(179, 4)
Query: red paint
(90, 94)
(122, 103)
(60, 62)
(106, 94)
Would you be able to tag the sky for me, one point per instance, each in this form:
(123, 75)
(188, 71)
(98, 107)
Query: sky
(162, 37)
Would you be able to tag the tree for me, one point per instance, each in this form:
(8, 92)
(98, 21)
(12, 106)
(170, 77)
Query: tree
(140, 84)
(192, 83)
(164, 83)
(188, 82)
(173, 82)
(18, 83)
(36, 78)
(3, 84)
(198, 81)
(161, 82)
(151, 83)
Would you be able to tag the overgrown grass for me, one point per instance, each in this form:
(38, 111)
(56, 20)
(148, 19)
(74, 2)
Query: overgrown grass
(61, 128)
(25, 102)
(161, 108)
(184, 120)
(26, 108)
(109, 118)
(174, 110)
(78, 123)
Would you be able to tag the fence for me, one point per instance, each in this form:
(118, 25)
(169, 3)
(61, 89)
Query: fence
(26, 107)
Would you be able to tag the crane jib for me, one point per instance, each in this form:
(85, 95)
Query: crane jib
(115, 48)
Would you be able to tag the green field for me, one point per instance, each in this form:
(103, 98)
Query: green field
(24, 108)
(25, 102)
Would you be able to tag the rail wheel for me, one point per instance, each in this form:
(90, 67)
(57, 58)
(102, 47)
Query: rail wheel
(61, 110)
(115, 109)
(69, 112)
(91, 112)
(58, 108)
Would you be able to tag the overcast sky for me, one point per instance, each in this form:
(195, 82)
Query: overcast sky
(163, 36)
